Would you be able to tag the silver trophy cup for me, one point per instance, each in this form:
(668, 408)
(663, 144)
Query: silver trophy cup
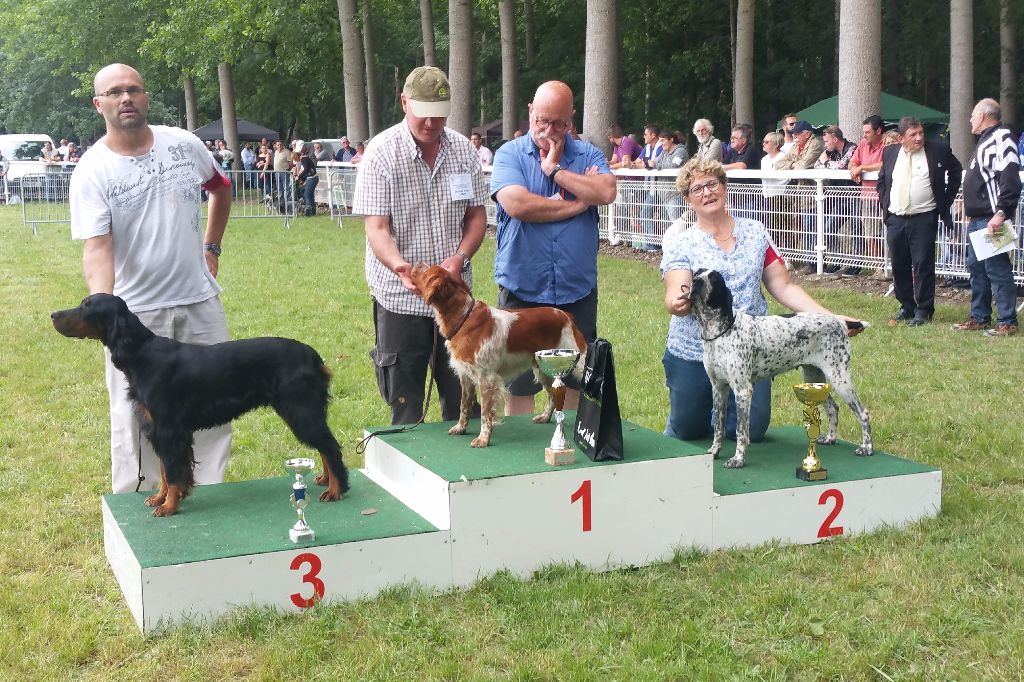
(557, 364)
(300, 466)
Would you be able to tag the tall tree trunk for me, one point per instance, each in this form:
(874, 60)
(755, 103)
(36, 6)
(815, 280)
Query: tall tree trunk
(354, 71)
(601, 72)
(227, 112)
(961, 77)
(190, 102)
(732, 60)
(529, 34)
(460, 64)
(372, 81)
(1008, 57)
(744, 73)
(509, 68)
(860, 70)
(427, 27)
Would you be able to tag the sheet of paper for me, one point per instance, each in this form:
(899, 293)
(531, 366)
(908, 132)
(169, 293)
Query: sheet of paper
(986, 247)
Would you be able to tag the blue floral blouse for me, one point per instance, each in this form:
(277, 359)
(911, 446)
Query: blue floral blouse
(693, 249)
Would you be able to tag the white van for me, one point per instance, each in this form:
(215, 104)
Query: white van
(21, 154)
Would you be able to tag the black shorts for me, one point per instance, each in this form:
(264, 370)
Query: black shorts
(584, 312)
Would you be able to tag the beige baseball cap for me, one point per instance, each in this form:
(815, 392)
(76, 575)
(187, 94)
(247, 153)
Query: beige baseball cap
(427, 92)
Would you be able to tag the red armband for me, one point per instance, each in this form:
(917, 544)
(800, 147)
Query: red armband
(770, 256)
(216, 182)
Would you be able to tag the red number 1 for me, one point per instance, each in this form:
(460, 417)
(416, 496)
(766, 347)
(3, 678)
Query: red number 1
(311, 577)
(827, 530)
(583, 492)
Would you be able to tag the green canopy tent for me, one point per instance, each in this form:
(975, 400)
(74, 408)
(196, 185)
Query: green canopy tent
(826, 112)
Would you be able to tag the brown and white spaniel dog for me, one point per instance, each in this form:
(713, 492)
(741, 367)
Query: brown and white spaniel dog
(490, 346)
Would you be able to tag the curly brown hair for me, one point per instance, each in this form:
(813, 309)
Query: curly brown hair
(699, 168)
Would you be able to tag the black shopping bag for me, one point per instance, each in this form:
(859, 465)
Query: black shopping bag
(598, 429)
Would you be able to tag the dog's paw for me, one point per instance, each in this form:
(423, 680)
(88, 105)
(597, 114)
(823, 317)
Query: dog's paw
(457, 430)
(864, 451)
(714, 453)
(165, 510)
(825, 440)
(330, 495)
(733, 463)
(542, 418)
(480, 442)
(322, 479)
(155, 500)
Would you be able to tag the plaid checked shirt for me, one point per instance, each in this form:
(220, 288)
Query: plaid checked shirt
(426, 223)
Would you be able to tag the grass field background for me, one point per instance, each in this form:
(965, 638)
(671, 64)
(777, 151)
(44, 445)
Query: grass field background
(940, 600)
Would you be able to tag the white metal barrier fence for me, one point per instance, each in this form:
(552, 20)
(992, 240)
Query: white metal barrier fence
(815, 217)
(44, 196)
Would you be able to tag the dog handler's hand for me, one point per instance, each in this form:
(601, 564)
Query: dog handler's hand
(851, 332)
(453, 264)
(404, 271)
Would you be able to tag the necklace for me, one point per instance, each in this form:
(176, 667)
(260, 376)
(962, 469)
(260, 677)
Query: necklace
(725, 239)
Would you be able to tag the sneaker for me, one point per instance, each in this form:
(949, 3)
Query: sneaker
(903, 315)
(971, 325)
(1002, 330)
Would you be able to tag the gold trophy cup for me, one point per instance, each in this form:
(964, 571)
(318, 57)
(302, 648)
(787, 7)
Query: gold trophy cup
(558, 363)
(812, 395)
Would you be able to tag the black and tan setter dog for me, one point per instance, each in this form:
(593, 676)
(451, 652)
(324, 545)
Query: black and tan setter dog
(179, 388)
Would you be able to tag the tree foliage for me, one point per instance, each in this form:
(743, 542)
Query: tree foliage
(674, 58)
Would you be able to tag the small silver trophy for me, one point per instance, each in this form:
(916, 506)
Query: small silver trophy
(300, 466)
(558, 363)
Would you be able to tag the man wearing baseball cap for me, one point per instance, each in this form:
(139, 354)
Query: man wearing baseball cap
(422, 192)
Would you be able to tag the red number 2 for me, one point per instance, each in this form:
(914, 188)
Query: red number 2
(583, 492)
(311, 577)
(827, 530)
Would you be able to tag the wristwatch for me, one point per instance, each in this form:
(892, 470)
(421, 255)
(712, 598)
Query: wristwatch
(558, 167)
(214, 249)
(999, 212)
(465, 260)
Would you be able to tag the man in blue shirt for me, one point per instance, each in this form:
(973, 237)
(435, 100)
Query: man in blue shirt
(548, 186)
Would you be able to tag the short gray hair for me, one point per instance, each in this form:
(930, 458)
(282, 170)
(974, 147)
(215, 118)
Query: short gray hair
(703, 122)
(908, 123)
(990, 108)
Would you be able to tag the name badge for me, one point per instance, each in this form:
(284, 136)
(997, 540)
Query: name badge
(461, 186)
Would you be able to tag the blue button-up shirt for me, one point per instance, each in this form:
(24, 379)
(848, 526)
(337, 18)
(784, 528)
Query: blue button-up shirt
(553, 263)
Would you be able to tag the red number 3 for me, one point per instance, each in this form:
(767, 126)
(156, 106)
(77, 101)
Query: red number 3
(311, 577)
(827, 530)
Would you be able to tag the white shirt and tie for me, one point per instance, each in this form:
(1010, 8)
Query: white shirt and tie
(911, 191)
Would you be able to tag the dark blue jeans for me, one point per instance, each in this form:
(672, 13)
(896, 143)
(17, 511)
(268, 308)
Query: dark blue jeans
(309, 194)
(691, 414)
(993, 275)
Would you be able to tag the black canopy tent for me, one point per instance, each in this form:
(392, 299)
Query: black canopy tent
(247, 131)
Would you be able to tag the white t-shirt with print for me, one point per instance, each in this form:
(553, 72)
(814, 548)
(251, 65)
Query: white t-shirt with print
(151, 204)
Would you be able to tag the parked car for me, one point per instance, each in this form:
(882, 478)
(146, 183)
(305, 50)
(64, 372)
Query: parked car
(21, 154)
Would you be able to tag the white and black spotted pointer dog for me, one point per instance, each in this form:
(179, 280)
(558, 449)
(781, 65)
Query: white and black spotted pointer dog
(742, 349)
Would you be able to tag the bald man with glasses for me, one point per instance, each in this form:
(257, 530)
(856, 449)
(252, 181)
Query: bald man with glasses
(548, 186)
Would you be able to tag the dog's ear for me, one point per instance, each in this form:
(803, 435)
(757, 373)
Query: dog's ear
(719, 296)
(699, 273)
(122, 330)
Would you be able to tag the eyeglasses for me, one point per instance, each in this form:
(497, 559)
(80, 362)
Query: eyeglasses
(133, 91)
(711, 186)
(548, 123)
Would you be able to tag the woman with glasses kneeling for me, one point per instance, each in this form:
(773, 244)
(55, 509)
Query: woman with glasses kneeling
(741, 250)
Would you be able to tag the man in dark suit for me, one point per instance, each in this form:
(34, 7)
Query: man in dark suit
(916, 186)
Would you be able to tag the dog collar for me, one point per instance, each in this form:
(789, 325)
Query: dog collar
(458, 327)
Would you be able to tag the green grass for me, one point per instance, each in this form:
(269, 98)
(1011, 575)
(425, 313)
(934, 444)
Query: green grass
(940, 600)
